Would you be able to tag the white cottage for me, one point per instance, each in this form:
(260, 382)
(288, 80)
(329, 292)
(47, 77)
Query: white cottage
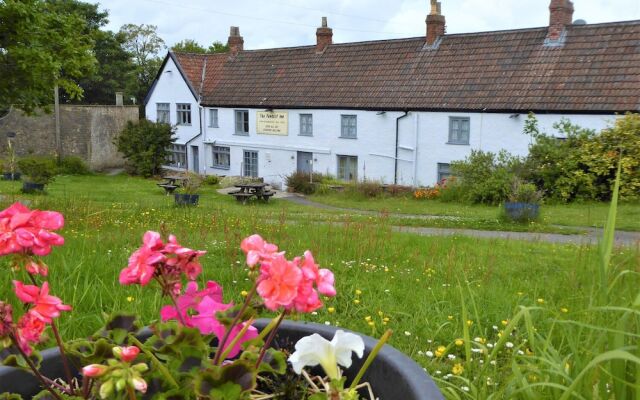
(398, 111)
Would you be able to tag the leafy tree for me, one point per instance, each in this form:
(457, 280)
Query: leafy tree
(145, 146)
(218, 47)
(144, 45)
(189, 46)
(41, 47)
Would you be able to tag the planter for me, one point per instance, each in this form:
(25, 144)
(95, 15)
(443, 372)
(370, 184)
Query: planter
(392, 375)
(187, 199)
(8, 176)
(522, 211)
(30, 187)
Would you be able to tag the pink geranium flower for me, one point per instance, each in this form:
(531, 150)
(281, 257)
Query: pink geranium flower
(142, 263)
(126, 353)
(184, 259)
(46, 306)
(278, 282)
(28, 231)
(190, 300)
(257, 249)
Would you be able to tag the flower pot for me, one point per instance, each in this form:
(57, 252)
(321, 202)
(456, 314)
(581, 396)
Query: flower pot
(31, 187)
(522, 211)
(392, 375)
(8, 176)
(186, 199)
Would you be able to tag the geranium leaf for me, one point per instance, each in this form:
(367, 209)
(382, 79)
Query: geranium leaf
(10, 396)
(274, 361)
(227, 316)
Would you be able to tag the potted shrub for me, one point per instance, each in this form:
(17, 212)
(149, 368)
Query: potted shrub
(204, 348)
(9, 165)
(39, 171)
(524, 202)
(188, 195)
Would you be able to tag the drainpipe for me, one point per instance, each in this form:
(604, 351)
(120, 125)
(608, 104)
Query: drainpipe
(395, 173)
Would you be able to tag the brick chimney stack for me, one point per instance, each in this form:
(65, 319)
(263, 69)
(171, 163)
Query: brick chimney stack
(324, 36)
(435, 23)
(560, 17)
(235, 42)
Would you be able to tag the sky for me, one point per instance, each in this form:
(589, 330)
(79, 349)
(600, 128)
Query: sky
(285, 23)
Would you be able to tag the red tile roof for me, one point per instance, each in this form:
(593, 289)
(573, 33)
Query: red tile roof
(597, 69)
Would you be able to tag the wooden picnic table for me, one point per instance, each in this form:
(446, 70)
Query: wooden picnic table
(171, 183)
(248, 190)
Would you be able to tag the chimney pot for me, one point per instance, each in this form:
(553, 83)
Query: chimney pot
(435, 23)
(324, 36)
(235, 42)
(560, 16)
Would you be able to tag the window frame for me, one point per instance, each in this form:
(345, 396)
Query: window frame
(165, 112)
(346, 129)
(213, 118)
(306, 127)
(216, 152)
(245, 171)
(460, 131)
(348, 159)
(444, 169)
(241, 122)
(177, 156)
(183, 110)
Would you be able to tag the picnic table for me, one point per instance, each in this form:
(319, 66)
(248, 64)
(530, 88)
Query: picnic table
(171, 183)
(248, 190)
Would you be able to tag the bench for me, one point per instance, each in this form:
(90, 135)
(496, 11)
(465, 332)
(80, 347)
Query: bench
(168, 187)
(242, 197)
(267, 194)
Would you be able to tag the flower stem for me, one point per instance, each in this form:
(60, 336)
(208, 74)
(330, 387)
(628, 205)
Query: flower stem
(216, 359)
(370, 359)
(65, 360)
(131, 393)
(163, 370)
(236, 339)
(267, 343)
(37, 373)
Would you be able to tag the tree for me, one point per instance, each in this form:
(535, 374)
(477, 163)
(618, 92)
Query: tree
(188, 46)
(218, 47)
(144, 45)
(40, 48)
(144, 144)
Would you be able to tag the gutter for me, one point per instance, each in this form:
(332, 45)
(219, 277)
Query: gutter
(395, 171)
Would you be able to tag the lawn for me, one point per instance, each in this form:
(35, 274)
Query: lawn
(431, 291)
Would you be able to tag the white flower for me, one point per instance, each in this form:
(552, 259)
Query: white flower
(429, 353)
(509, 345)
(451, 357)
(313, 350)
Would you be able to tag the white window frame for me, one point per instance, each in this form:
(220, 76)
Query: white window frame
(163, 113)
(177, 156)
(183, 114)
(306, 125)
(253, 172)
(459, 130)
(341, 173)
(242, 122)
(221, 157)
(349, 126)
(213, 118)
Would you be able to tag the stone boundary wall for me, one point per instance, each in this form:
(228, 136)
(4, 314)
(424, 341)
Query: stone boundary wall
(85, 131)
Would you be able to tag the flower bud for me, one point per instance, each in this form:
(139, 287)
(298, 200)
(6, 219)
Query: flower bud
(94, 370)
(139, 384)
(121, 384)
(106, 389)
(141, 367)
(127, 353)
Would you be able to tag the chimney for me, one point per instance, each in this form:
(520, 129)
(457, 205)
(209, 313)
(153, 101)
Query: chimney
(435, 23)
(235, 42)
(324, 36)
(560, 17)
(119, 99)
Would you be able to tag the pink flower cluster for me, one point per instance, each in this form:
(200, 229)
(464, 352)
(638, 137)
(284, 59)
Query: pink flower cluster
(156, 258)
(198, 310)
(291, 284)
(25, 231)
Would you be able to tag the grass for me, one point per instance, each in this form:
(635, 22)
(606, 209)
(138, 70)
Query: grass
(431, 291)
(485, 217)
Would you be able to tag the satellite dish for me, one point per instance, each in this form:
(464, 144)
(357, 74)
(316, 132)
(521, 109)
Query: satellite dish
(579, 22)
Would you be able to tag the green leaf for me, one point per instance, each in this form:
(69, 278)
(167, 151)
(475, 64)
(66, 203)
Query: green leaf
(118, 328)
(227, 316)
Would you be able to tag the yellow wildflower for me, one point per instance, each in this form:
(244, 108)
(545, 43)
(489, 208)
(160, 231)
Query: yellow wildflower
(457, 369)
(331, 309)
(440, 351)
(459, 342)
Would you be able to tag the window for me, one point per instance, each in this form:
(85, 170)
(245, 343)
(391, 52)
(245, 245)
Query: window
(184, 114)
(221, 157)
(163, 113)
(242, 122)
(349, 127)
(347, 168)
(177, 156)
(250, 164)
(444, 172)
(459, 130)
(213, 118)
(306, 125)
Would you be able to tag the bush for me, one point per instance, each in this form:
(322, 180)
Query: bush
(39, 169)
(211, 180)
(191, 183)
(145, 146)
(73, 165)
(366, 188)
(524, 193)
(300, 182)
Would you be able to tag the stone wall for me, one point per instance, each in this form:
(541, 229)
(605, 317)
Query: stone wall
(85, 131)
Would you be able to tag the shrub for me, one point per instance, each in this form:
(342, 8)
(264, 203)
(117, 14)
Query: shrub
(145, 146)
(73, 165)
(211, 180)
(367, 188)
(524, 192)
(301, 182)
(398, 190)
(39, 169)
(191, 182)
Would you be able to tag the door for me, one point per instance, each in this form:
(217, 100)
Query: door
(305, 161)
(196, 159)
(250, 164)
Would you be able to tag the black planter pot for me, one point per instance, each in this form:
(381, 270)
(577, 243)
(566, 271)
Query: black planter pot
(186, 199)
(522, 211)
(392, 375)
(8, 176)
(30, 187)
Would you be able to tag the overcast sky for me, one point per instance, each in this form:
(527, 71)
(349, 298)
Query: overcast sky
(283, 23)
